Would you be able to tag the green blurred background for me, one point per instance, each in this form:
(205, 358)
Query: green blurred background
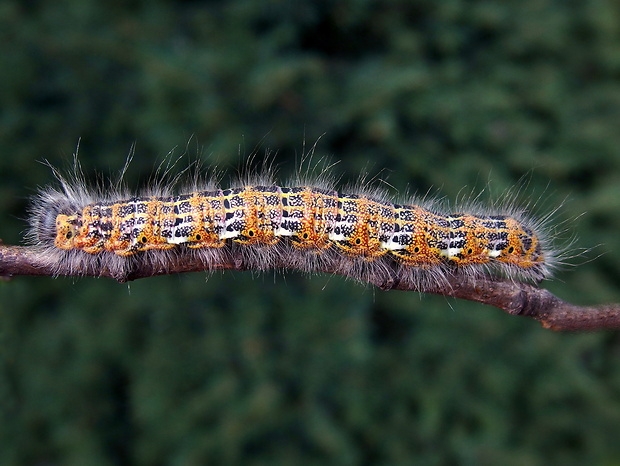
(243, 368)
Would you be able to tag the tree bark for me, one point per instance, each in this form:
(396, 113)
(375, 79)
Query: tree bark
(515, 298)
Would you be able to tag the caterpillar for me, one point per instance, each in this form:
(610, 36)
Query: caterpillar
(307, 226)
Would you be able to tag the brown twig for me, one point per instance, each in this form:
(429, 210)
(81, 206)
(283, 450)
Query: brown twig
(513, 297)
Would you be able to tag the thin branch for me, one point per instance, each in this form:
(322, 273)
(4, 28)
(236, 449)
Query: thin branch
(519, 299)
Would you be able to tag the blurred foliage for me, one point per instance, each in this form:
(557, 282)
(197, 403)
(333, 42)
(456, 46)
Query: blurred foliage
(288, 369)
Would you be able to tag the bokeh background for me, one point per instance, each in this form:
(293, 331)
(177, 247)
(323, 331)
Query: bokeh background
(243, 368)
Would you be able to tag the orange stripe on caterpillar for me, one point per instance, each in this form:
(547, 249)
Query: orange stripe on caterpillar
(307, 217)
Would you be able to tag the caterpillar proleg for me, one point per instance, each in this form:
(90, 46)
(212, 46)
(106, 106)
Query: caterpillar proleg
(307, 226)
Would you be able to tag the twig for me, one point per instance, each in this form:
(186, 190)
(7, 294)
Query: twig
(519, 299)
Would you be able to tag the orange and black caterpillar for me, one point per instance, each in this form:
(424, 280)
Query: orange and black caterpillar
(304, 225)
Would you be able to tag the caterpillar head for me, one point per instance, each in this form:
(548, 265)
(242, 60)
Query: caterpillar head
(66, 231)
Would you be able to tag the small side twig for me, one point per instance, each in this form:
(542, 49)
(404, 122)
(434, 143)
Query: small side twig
(519, 299)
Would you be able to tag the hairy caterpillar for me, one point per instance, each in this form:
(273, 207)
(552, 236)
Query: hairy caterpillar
(307, 226)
